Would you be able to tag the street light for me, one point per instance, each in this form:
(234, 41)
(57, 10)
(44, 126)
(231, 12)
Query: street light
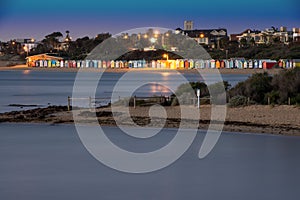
(166, 56)
(26, 50)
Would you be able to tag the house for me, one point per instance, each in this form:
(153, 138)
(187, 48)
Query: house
(209, 37)
(249, 35)
(296, 34)
(52, 59)
(267, 36)
(65, 44)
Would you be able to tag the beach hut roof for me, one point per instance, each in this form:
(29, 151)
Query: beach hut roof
(44, 56)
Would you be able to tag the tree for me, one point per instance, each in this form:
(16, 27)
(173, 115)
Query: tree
(51, 41)
(252, 42)
(243, 42)
(254, 87)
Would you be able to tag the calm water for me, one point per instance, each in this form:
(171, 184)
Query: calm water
(52, 88)
(49, 162)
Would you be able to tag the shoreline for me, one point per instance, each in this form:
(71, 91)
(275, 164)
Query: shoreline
(122, 70)
(256, 119)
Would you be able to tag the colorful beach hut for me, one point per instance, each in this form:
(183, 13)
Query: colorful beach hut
(32, 60)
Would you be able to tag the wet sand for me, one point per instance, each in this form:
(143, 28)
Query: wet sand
(279, 120)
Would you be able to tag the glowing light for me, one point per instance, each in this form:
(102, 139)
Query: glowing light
(165, 74)
(26, 72)
(26, 48)
(201, 35)
(166, 56)
(157, 88)
(152, 40)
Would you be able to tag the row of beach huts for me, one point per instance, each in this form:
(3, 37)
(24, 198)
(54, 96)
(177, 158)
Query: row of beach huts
(234, 63)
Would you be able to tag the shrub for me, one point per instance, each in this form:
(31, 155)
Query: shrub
(296, 100)
(238, 101)
(254, 87)
(273, 96)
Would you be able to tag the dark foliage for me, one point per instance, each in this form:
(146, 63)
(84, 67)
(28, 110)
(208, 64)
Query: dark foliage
(274, 51)
(278, 89)
(254, 87)
(286, 85)
(216, 93)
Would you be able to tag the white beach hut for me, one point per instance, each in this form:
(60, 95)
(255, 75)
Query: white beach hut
(212, 64)
(260, 64)
(197, 64)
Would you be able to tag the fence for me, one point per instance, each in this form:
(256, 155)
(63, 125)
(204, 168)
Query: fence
(135, 101)
(90, 100)
(144, 101)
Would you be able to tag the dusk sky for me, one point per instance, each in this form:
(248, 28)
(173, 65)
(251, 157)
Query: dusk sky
(37, 18)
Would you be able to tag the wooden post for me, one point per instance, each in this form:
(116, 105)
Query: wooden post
(69, 102)
(248, 101)
(269, 101)
(90, 102)
(289, 101)
(134, 101)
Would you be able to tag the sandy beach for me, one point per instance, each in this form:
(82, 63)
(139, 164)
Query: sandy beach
(115, 70)
(281, 120)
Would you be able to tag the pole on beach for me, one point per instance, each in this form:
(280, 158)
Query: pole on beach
(134, 102)
(90, 103)
(69, 102)
(198, 97)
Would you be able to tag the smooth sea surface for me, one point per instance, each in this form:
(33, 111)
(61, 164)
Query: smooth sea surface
(49, 162)
(43, 88)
